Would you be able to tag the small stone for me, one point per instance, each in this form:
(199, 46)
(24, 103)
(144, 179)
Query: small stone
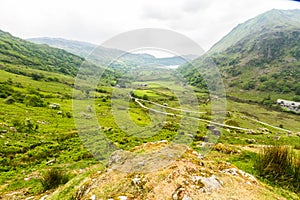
(276, 137)
(93, 197)
(13, 129)
(136, 181)
(186, 197)
(44, 197)
(211, 183)
(200, 156)
(251, 141)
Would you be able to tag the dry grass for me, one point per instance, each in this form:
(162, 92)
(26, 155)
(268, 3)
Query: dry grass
(280, 165)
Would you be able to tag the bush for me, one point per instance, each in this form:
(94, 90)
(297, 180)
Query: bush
(24, 125)
(279, 164)
(34, 101)
(263, 79)
(296, 98)
(145, 97)
(53, 178)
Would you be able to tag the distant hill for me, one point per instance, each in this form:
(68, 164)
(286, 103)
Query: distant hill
(102, 55)
(262, 54)
(21, 53)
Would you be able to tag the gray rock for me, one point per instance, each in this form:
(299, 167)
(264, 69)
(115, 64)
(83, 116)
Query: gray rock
(50, 162)
(60, 112)
(136, 181)
(210, 183)
(44, 197)
(93, 197)
(276, 137)
(186, 197)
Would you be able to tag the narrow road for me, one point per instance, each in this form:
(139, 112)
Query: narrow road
(195, 118)
(138, 101)
(266, 124)
(177, 109)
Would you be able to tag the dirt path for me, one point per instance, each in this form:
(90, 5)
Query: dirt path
(204, 120)
(177, 109)
(195, 118)
(266, 124)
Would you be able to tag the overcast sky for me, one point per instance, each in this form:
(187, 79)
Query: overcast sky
(204, 21)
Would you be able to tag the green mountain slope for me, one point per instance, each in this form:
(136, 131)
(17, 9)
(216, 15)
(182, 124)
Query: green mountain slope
(21, 53)
(103, 56)
(269, 21)
(261, 55)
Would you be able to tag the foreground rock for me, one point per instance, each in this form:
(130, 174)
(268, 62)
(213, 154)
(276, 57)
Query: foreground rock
(186, 178)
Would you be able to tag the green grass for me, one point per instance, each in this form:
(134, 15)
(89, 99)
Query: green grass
(24, 153)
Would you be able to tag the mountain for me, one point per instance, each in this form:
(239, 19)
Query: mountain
(22, 54)
(262, 55)
(271, 21)
(103, 56)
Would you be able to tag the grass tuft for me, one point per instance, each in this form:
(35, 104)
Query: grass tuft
(53, 178)
(280, 165)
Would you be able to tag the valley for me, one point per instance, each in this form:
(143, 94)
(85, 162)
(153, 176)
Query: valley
(73, 128)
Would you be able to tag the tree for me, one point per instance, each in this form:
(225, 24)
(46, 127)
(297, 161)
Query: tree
(145, 97)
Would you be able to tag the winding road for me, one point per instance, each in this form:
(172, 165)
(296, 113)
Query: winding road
(138, 101)
(195, 118)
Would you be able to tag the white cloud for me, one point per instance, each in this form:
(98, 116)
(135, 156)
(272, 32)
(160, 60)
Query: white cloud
(205, 21)
(192, 6)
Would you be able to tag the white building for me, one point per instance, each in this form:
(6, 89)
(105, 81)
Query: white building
(289, 105)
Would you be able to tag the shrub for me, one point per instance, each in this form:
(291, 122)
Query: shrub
(53, 178)
(145, 97)
(68, 114)
(279, 164)
(263, 79)
(34, 101)
(296, 98)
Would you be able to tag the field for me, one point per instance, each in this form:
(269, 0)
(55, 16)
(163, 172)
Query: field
(110, 118)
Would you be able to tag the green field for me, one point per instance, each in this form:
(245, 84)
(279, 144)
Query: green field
(32, 134)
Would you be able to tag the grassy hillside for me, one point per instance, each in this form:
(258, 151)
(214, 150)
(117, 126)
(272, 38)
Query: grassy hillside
(260, 56)
(42, 133)
(23, 54)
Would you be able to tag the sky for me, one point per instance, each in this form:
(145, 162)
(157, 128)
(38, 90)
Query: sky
(95, 21)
